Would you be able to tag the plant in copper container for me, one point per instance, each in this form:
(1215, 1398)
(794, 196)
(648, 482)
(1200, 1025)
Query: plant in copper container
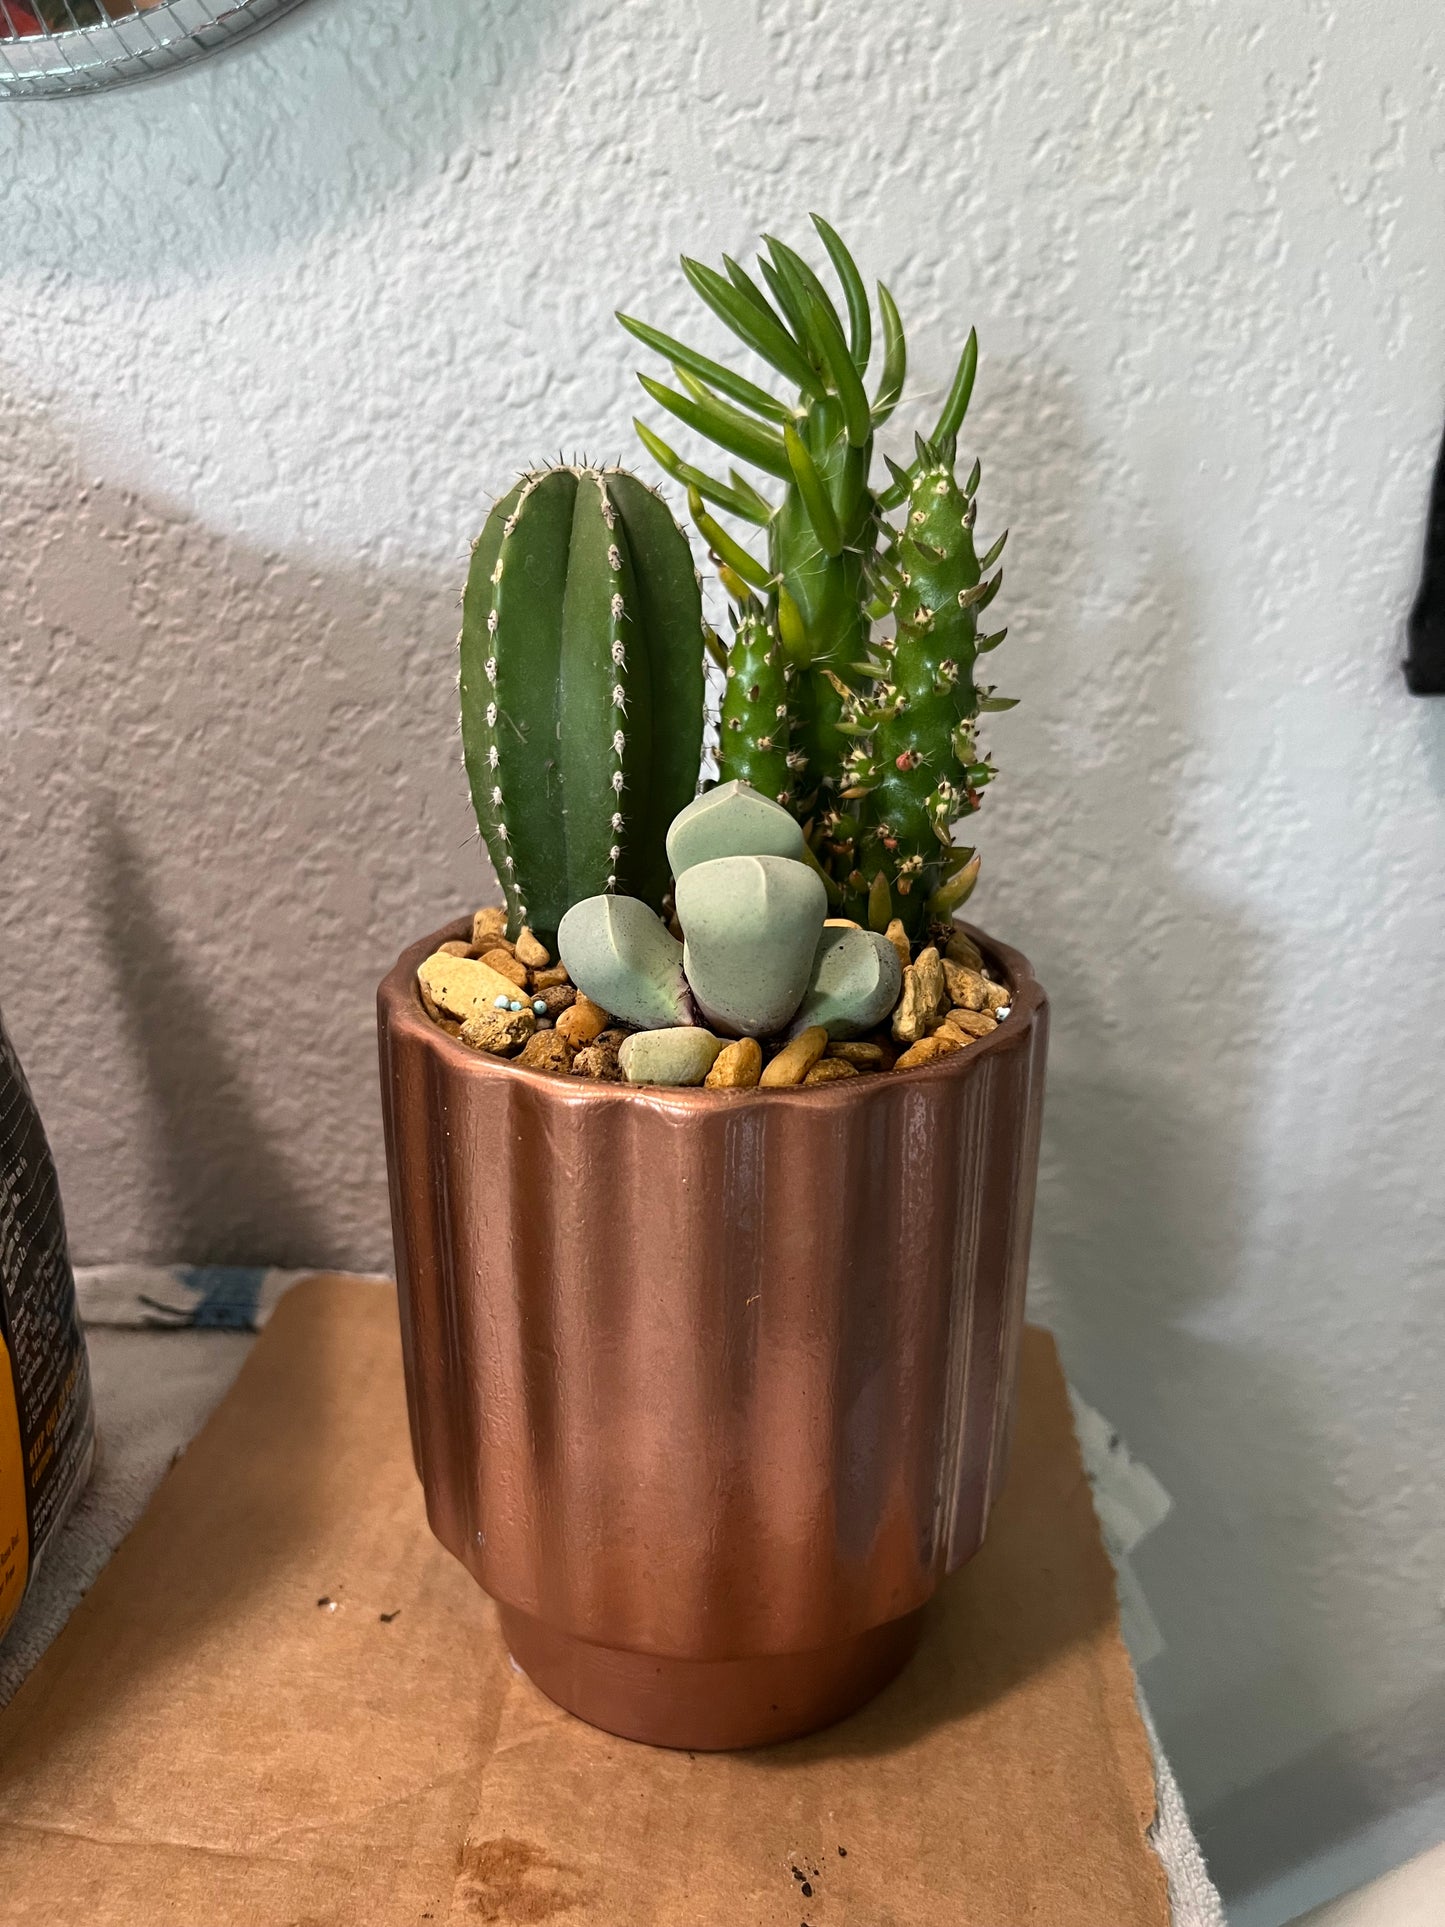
(712, 1151)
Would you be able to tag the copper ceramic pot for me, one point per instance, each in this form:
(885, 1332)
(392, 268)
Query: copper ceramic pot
(710, 1389)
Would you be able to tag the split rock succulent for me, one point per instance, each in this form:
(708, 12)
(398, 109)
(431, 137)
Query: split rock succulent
(855, 982)
(750, 933)
(731, 820)
(621, 954)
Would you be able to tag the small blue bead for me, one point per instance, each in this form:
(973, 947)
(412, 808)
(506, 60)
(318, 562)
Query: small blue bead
(501, 1004)
(539, 1004)
(513, 1004)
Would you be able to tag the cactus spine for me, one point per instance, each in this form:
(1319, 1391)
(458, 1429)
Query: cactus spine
(916, 768)
(753, 729)
(581, 690)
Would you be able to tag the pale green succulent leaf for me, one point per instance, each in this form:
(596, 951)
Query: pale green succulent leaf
(725, 547)
(728, 428)
(763, 333)
(860, 318)
(814, 491)
(895, 359)
(736, 501)
(955, 406)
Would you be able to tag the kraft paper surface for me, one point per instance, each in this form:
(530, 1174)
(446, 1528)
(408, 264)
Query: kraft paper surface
(283, 1705)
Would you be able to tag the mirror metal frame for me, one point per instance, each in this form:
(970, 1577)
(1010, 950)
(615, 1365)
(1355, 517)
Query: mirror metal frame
(131, 47)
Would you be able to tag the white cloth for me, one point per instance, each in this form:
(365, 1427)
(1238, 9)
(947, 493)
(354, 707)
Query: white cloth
(166, 1344)
(152, 1395)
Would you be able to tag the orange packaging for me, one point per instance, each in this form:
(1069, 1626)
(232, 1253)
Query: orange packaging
(47, 1426)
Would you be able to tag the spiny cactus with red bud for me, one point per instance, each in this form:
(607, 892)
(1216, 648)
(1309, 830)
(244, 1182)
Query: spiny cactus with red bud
(915, 769)
(753, 727)
(879, 752)
(821, 536)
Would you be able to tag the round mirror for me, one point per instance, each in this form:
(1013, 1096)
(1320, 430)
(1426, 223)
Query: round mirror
(76, 46)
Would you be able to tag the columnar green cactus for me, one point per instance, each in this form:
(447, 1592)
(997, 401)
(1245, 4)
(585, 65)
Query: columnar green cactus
(753, 727)
(916, 768)
(581, 689)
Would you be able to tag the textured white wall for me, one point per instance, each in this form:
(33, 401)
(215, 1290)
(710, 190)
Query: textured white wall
(271, 332)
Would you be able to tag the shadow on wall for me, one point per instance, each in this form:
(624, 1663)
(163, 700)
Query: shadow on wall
(219, 1175)
(233, 794)
(1329, 1801)
(1165, 1023)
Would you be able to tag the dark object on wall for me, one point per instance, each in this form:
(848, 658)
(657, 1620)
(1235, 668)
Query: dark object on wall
(47, 1433)
(709, 1390)
(1425, 662)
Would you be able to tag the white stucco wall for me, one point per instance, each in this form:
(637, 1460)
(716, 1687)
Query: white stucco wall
(271, 333)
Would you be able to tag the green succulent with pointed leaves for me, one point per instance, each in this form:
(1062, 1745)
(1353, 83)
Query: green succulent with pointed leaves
(880, 742)
(818, 580)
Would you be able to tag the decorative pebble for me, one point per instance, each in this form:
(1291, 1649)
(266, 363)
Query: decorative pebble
(795, 1059)
(928, 1050)
(506, 965)
(498, 1031)
(488, 925)
(971, 1023)
(898, 937)
(962, 949)
(546, 1051)
(928, 967)
(502, 1003)
(513, 1004)
(462, 986)
(583, 1021)
(828, 1070)
(1004, 1010)
(598, 1060)
(682, 1054)
(739, 1066)
(862, 1056)
(535, 955)
(539, 1004)
(910, 1019)
(968, 989)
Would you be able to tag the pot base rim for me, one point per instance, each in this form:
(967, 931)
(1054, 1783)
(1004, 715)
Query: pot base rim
(708, 1705)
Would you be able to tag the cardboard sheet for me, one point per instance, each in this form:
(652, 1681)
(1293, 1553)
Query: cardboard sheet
(283, 1705)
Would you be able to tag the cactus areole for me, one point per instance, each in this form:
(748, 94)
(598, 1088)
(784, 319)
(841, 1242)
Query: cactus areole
(581, 690)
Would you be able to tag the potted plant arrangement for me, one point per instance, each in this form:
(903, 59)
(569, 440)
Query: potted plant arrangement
(712, 1152)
